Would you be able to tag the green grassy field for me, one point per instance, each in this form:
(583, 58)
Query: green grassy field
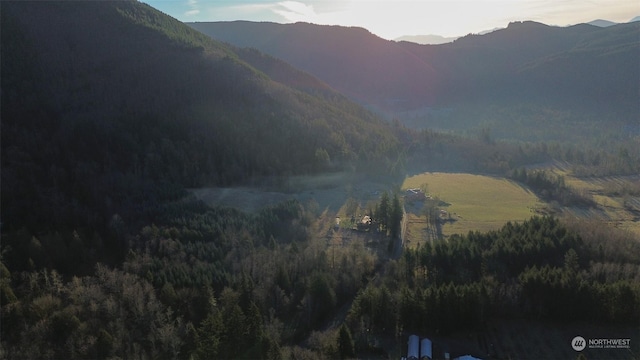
(612, 208)
(479, 202)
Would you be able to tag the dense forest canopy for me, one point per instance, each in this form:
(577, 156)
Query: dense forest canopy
(112, 110)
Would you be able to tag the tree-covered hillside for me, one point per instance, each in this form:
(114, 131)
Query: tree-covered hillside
(582, 70)
(357, 63)
(112, 107)
(109, 111)
(490, 66)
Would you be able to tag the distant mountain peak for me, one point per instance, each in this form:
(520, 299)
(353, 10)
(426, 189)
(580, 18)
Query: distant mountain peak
(601, 23)
(526, 23)
(430, 39)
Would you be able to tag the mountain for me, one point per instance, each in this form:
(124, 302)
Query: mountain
(426, 39)
(508, 64)
(436, 39)
(351, 60)
(109, 109)
(597, 63)
(600, 67)
(601, 23)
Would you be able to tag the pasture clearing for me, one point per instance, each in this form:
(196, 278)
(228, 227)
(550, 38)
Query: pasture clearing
(478, 202)
(617, 197)
(615, 207)
(329, 191)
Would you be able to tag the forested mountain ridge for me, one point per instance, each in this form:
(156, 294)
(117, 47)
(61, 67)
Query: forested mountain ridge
(137, 98)
(109, 111)
(523, 61)
(351, 60)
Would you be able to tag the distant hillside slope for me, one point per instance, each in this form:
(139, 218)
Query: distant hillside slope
(505, 64)
(581, 65)
(351, 60)
(601, 70)
(107, 104)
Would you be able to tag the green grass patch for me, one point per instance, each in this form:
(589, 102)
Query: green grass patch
(480, 202)
(612, 208)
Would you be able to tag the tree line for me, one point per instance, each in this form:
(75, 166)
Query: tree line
(539, 269)
(201, 283)
(551, 187)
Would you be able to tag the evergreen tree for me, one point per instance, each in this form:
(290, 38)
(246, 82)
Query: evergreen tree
(384, 211)
(345, 343)
(209, 336)
(395, 217)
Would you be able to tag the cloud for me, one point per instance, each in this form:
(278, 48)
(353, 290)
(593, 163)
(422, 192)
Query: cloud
(194, 8)
(295, 11)
(252, 11)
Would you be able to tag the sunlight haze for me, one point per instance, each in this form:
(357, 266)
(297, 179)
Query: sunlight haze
(392, 19)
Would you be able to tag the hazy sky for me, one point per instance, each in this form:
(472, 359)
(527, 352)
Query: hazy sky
(391, 19)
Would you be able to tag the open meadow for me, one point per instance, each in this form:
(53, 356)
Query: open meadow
(477, 202)
(617, 198)
(618, 206)
(328, 191)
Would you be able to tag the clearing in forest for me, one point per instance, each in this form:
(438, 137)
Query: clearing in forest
(617, 197)
(476, 202)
